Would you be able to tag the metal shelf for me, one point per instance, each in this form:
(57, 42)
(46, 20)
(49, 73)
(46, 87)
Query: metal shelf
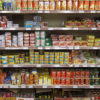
(51, 86)
(49, 11)
(49, 65)
(46, 29)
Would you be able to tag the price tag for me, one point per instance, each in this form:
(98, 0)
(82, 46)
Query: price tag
(77, 47)
(98, 65)
(84, 65)
(15, 65)
(31, 86)
(13, 86)
(56, 47)
(1, 28)
(70, 47)
(38, 65)
(18, 11)
(47, 47)
(91, 86)
(50, 28)
(12, 28)
(56, 65)
(75, 28)
(5, 65)
(44, 86)
(40, 48)
(81, 11)
(5, 86)
(93, 28)
(57, 86)
(28, 28)
(37, 28)
(75, 86)
(92, 65)
(47, 11)
(93, 11)
(40, 11)
(95, 47)
(0, 86)
(25, 48)
(23, 86)
(76, 65)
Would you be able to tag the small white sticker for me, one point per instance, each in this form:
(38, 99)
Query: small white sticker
(47, 11)
(38, 65)
(28, 28)
(57, 86)
(91, 86)
(70, 47)
(95, 47)
(37, 28)
(93, 28)
(5, 65)
(75, 28)
(56, 65)
(93, 11)
(44, 86)
(77, 47)
(75, 86)
(81, 11)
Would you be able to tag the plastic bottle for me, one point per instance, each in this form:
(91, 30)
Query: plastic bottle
(14, 4)
(9, 2)
(5, 4)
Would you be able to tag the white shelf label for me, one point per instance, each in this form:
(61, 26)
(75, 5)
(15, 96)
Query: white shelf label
(31, 86)
(47, 47)
(95, 47)
(44, 86)
(38, 65)
(75, 86)
(16, 65)
(5, 65)
(81, 11)
(93, 28)
(91, 86)
(92, 65)
(76, 65)
(98, 65)
(75, 28)
(12, 28)
(93, 11)
(25, 48)
(0, 86)
(28, 28)
(84, 65)
(40, 48)
(5, 86)
(50, 28)
(23, 86)
(47, 11)
(40, 11)
(18, 11)
(1, 28)
(57, 66)
(70, 47)
(37, 28)
(77, 47)
(57, 86)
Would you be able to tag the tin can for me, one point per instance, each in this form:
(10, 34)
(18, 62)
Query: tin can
(86, 5)
(80, 5)
(69, 4)
(36, 5)
(63, 81)
(30, 4)
(58, 5)
(46, 5)
(97, 5)
(58, 81)
(92, 4)
(24, 5)
(75, 4)
(63, 5)
(18, 5)
(52, 5)
(41, 5)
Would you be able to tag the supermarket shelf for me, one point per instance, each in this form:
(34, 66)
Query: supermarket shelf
(51, 86)
(46, 29)
(52, 11)
(49, 65)
(50, 48)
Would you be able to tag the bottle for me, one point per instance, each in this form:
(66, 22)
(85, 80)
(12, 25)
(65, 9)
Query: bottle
(1, 5)
(5, 5)
(9, 2)
(14, 5)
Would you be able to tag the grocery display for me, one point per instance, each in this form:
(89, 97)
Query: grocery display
(49, 5)
(49, 49)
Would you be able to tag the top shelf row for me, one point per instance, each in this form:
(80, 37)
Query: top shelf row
(49, 6)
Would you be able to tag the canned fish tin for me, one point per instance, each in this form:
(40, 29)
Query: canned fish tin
(37, 35)
(41, 5)
(42, 34)
(52, 5)
(4, 59)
